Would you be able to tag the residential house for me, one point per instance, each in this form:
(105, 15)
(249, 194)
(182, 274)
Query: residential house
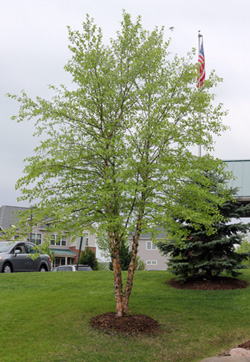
(150, 254)
(65, 251)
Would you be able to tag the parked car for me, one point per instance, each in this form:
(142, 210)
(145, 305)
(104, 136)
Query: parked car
(72, 268)
(16, 257)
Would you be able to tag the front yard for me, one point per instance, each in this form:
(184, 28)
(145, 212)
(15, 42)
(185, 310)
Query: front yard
(45, 318)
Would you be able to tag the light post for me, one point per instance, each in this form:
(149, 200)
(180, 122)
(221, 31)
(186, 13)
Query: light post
(79, 251)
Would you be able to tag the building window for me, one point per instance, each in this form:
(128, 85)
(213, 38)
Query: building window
(86, 239)
(59, 261)
(36, 238)
(63, 240)
(52, 239)
(58, 240)
(151, 262)
(151, 246)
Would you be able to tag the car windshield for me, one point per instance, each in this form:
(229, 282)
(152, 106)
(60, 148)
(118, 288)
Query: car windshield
(5, 246)
(83, 268)
(64, 268)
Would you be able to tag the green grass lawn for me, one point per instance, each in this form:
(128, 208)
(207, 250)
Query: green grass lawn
(44, 317)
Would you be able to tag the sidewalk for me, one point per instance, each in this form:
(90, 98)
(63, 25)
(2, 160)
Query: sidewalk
(227, 359)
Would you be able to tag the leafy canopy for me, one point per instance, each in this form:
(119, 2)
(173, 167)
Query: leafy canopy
(116, 152)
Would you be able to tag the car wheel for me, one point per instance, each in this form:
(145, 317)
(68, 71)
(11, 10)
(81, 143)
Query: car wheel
(7, 268)
(42, 269)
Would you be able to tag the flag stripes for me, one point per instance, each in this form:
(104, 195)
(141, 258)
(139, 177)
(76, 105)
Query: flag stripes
(201, 68)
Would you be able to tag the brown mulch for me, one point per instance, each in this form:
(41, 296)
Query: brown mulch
(218, 283)
(245, 345)
(135, 324)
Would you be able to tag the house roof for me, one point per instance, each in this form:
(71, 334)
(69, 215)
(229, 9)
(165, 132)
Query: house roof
(9, 215)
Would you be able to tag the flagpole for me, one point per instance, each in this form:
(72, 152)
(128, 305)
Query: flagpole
(199, 45)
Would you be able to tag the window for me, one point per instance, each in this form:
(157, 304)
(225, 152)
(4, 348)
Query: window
(58, 240)
(86, 239)
(151, 262)
(36, 238)
(52, 239)
(63, 240)
(57, 261)
(65, 268)
(30, 249)
(151, 246)
(21, 248)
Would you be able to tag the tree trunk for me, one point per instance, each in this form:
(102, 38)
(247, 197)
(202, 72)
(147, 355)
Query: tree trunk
(118, 287)
(122, 298)
(115, 254)
(131, 272)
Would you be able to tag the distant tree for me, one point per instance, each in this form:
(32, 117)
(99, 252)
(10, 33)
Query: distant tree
(207, 254)
(125, 256)
(116, 150)
(88, 257)
(244, 247)
(140, 265)
(103, 266)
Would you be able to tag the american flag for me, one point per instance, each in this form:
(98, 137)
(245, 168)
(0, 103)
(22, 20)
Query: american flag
(201, 69)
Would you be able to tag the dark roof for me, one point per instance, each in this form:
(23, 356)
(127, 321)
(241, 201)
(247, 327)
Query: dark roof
(9, 215)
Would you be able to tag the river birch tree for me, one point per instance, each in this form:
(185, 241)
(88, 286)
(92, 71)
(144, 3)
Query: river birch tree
(115, 153)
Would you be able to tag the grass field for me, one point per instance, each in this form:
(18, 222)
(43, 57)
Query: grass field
(44, 317)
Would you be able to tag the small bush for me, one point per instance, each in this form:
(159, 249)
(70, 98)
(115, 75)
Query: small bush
(88, 257)
(140, 265)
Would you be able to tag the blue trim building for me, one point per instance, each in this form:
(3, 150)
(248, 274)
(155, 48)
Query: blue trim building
(241, 172)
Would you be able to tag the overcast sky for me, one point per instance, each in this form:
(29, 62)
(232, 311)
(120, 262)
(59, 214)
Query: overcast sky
(34, 49)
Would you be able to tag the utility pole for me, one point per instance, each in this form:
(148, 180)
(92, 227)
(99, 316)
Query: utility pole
(31, 218)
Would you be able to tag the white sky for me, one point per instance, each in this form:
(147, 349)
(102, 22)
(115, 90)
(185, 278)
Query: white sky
(34, 49)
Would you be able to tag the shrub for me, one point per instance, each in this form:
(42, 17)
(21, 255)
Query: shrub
(88, 257)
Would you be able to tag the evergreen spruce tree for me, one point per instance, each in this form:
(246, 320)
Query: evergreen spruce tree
(88, 257)
(207, 255)
(125, 256)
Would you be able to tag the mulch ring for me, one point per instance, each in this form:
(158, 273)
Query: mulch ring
(245, 345)
(216, 283)
(135, 324)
